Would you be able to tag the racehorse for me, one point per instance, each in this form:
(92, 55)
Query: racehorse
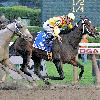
(12, 29)
(64, 51)
(22, 47)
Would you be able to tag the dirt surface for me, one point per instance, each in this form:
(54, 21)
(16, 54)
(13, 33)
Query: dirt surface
(53, 93)
(22, 90)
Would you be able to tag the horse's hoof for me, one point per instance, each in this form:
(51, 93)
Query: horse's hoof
(1, 82)
(75, 82)
(61, 78)
(35, 77)
(47, 83)
(30, 68)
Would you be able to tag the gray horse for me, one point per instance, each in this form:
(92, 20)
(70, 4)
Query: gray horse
(15, 28)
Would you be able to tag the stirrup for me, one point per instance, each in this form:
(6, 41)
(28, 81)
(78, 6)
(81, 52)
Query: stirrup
(49, 55)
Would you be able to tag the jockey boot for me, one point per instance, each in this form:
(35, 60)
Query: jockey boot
(49, 55)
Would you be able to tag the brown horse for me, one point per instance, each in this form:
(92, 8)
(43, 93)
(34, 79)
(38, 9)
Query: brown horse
(65, 51)
(23, 48)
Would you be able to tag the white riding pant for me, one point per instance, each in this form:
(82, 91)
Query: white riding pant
(47, 27)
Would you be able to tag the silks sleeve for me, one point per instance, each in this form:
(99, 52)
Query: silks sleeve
(70, 26)
(56, 31)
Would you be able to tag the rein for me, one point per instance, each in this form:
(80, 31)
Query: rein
(10, 30)
(17, 30)
(83, 25)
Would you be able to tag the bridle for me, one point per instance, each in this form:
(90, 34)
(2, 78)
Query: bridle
(84, 26)
(16, 31)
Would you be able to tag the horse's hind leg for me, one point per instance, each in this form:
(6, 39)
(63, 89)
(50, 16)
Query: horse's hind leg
(37, 64)
(26, 60)
(58, 65)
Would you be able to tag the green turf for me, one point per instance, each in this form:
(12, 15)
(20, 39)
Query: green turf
(87, 78)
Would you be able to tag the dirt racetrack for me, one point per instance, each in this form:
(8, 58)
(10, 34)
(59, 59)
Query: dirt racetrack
(53, 93)
(19, 90)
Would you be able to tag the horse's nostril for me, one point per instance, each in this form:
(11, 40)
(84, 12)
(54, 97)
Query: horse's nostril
(91, 29)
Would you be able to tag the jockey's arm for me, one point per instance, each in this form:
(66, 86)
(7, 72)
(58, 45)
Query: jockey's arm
(56, 31)
(70, 26)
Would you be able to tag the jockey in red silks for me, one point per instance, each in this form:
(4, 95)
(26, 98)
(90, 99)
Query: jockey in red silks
(55, 24)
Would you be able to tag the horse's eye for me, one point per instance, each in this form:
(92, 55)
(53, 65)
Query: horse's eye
(19, 26)
(88, 24)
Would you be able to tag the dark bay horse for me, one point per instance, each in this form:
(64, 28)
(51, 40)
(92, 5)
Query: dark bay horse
(65, 51)
(23, 48)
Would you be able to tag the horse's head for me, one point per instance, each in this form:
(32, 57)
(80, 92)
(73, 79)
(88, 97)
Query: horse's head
(91, 30)
(22, 31)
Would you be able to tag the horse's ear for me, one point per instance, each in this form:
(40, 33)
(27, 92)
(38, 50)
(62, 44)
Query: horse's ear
(81, 17)
(15, 20)
(85, 17)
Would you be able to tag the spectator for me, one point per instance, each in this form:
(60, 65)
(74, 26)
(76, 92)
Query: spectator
(84, 40)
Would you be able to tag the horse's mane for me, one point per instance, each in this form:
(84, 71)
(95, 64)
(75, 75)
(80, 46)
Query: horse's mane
(67, 31)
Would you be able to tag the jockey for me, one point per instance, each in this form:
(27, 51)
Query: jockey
(55, 24)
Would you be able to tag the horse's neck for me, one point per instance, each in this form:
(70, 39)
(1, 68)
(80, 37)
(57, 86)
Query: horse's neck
(74, 37)
(6, 34)
(77, 34)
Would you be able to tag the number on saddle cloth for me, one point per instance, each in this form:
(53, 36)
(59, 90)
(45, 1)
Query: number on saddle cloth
(43, 41)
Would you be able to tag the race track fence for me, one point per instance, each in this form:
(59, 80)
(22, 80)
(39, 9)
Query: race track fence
(93, 49)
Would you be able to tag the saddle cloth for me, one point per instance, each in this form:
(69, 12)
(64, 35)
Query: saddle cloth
(41, 42)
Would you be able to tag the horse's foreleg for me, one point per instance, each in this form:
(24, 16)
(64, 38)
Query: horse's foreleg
(37, 64)
(5, 74)
(77, 64)
(26, 60)
(11, 66)
(3, 78)
(58, 65)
